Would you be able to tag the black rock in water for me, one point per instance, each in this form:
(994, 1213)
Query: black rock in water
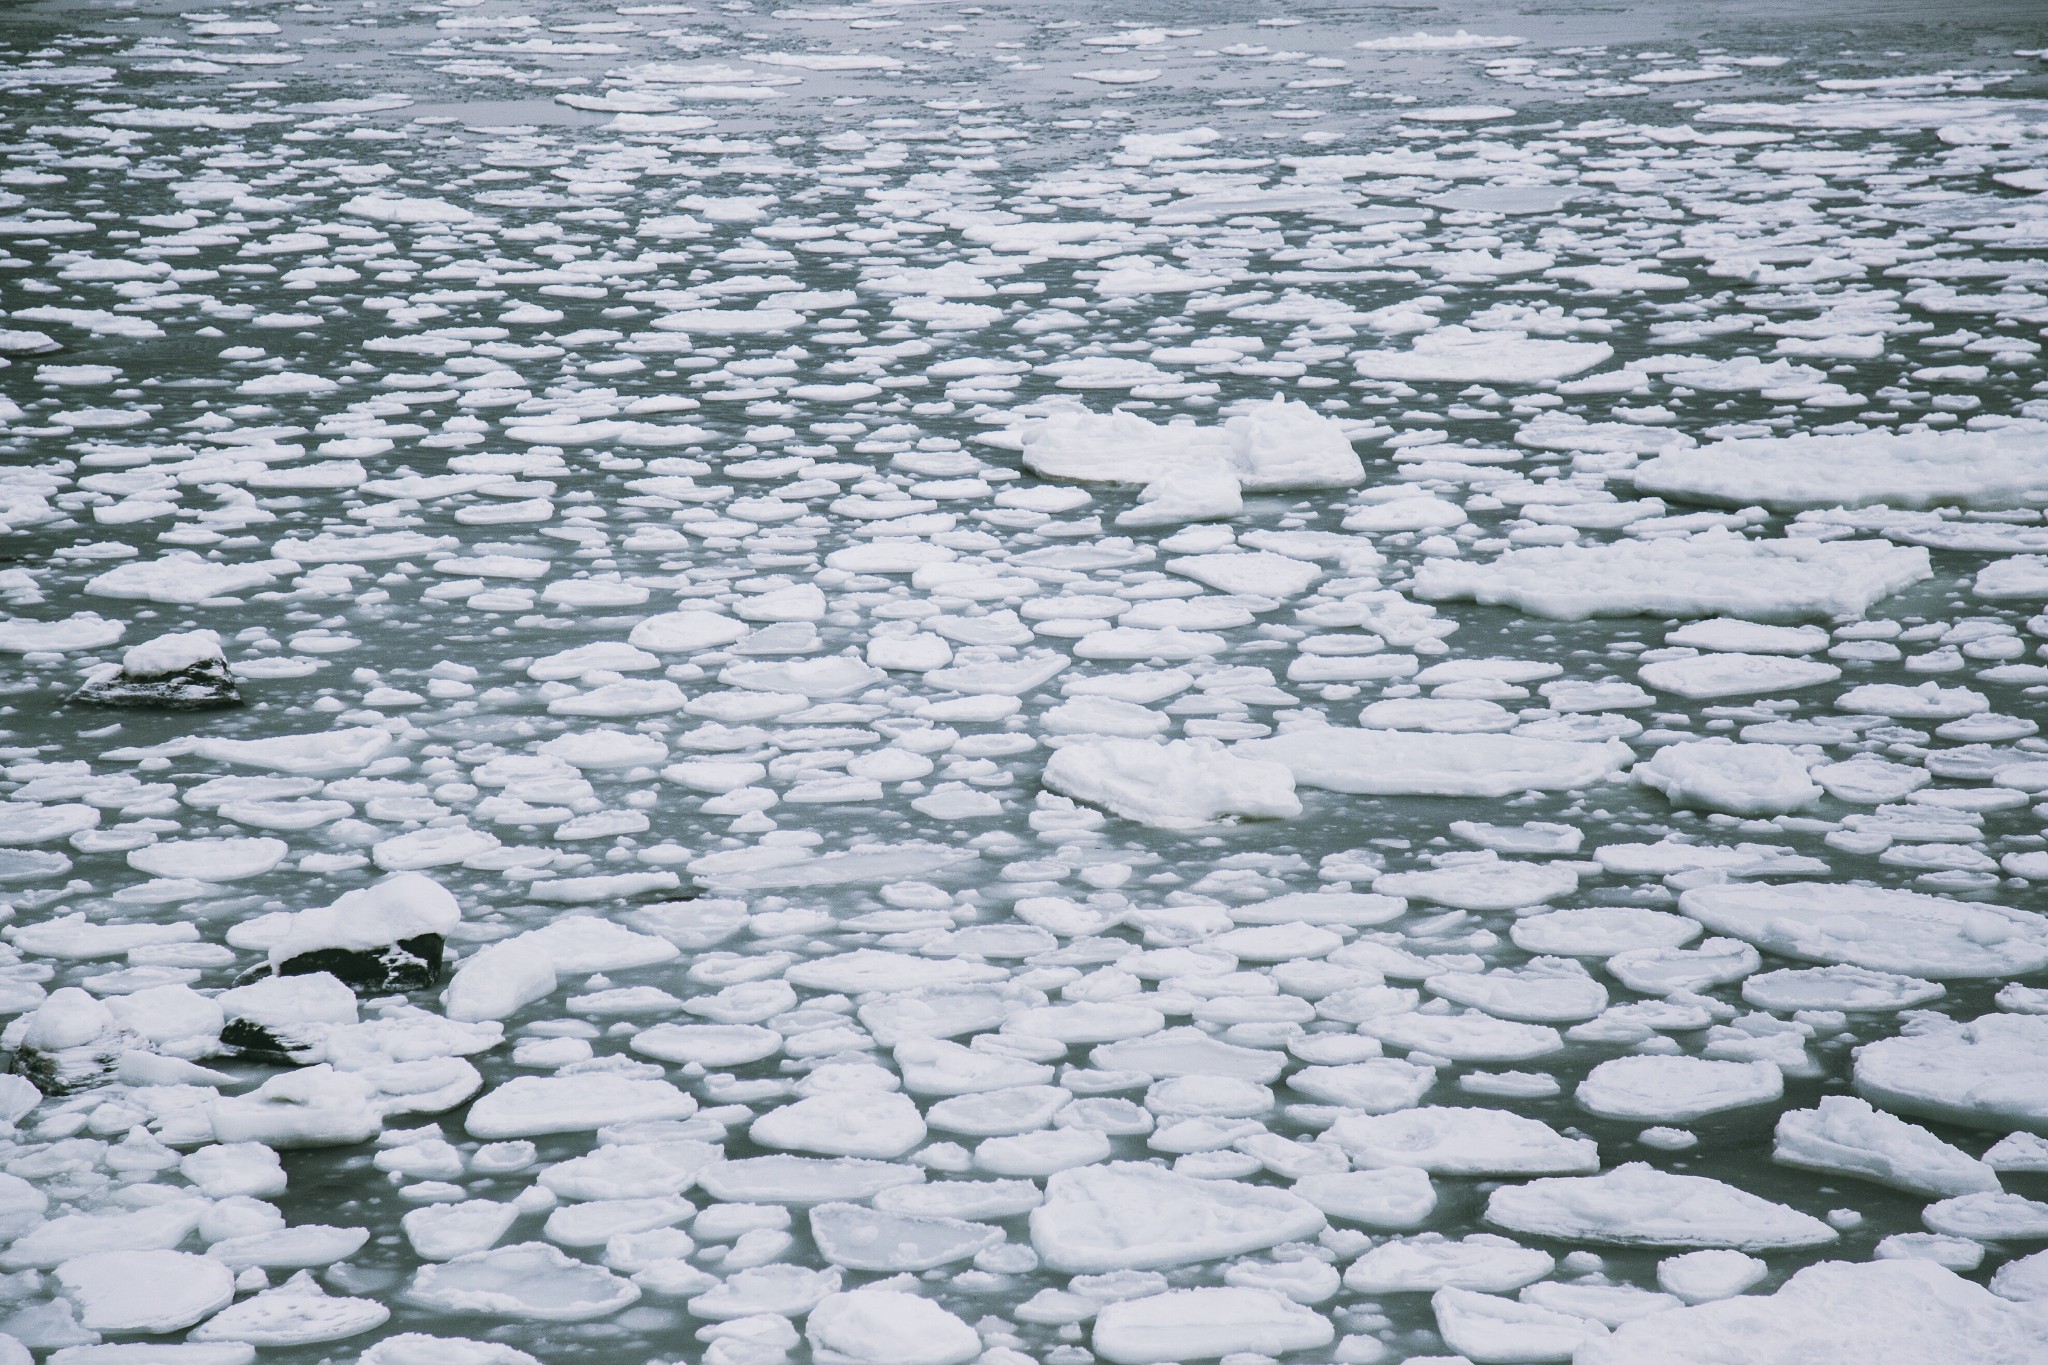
(203, 686)
(410, 964)
(285, 1018)
(185, 671)
(71, 1043)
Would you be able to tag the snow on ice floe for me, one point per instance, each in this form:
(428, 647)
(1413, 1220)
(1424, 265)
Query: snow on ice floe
(1911, 1310)
(1194, 473)
(1988, 469)
(1412, 763)
(1128, 1216)
(1466, 1142)
(1736, 779)
(756, 814)
(1984, 1073)
(1459, 355)
(1638, 1205)
(1846, 1136)
(1204, 1324)
(1714, 575)
(1178, 785)
(1877, 928)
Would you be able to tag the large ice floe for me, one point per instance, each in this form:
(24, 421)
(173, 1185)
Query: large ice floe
(1188, 472)
(888, 684)
(1988, 469)
(1713, 575)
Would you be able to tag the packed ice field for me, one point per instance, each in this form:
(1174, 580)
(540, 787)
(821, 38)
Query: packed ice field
(917, 684)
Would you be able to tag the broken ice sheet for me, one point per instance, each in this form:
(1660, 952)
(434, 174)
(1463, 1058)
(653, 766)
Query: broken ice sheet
(931, 687)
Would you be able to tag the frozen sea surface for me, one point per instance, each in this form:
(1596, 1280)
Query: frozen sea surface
(901, 684)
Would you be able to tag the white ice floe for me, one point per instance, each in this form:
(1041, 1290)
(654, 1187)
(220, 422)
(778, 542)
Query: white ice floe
(1711, 676)
(1205, 1324)
(1638, 1205)
(1987, 1073)
(881, 1325)
(1990, 469)
(844, 1123)
(1191, 473)
(1708, 575)
(1487, 1329)
(1417, 763)
(1463, 1142)
(1737, 779)
(1876, 928)
(530, 1106)
(1394, 1199)
(530, 1281)
(1458, 355)
(1182, 784)
(1481, 882)
(1748, 637)
(1481, 1261)
(155, 1292)
(1844, 1135)
(1130, 1216)
(1676, 1089)
(1910, 1311)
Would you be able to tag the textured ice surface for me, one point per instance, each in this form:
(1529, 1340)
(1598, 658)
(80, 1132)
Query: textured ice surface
(1925, 469)
(924, 685)
(1771, 580)
(1912, 1311)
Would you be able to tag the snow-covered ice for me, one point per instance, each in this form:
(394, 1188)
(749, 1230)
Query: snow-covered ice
(877, 686)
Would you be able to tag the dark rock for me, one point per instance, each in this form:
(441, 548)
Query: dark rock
(71, 1043)
(408, 965)
(285, 1018)
(180, 672)
(204, 686)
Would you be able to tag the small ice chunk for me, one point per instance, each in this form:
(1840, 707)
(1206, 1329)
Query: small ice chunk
(1704, 1276)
